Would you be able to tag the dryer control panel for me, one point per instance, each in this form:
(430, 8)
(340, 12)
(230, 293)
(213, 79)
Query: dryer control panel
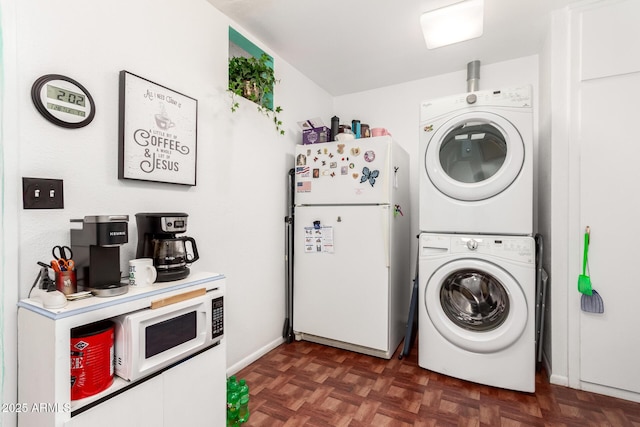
(519, 97)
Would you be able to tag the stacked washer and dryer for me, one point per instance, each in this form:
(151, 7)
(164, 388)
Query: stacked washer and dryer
(476, 318)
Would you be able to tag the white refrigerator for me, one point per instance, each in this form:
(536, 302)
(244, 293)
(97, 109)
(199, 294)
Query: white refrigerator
(352, 243)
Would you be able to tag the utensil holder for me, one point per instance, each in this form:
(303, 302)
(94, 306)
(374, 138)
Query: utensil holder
(66, 282)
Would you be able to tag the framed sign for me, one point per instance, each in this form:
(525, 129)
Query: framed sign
(158, 132)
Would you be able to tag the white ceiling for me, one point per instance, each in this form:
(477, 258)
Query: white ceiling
(348, 46)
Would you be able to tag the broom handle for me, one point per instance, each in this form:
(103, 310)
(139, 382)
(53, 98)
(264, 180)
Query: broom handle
(585, 255)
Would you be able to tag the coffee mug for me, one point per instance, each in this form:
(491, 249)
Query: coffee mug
(379, 132)
(142, 272)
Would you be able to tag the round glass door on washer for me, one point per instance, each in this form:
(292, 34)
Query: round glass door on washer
(476, 164)
(477, 304)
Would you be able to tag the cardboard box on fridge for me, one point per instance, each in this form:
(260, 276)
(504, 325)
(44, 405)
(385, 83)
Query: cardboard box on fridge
(314, 132)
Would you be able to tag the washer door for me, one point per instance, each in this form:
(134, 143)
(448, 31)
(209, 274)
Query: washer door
(474, 156)
(476, 305)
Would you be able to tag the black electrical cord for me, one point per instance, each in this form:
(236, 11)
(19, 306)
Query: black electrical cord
(49, 284)
(35, 282)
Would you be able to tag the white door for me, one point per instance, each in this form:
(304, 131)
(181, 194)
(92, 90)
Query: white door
(341, 274)
(195, 390)
(141, 405)
(609, 188)
(473, 156)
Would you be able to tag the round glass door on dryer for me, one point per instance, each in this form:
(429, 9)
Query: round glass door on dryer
(476, 164)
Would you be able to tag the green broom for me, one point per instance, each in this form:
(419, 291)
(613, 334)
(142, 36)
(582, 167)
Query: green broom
(591, 301)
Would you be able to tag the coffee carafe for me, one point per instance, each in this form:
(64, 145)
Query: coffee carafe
(157, 239)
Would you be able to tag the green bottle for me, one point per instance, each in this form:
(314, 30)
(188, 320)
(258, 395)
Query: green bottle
(243, 412)
(233, 404)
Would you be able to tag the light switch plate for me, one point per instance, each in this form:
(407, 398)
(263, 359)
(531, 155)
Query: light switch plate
(41, 193)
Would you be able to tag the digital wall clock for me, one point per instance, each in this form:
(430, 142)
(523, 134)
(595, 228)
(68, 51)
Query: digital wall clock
(63, 101)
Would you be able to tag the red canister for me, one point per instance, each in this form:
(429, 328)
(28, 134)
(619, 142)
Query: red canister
(91, 359)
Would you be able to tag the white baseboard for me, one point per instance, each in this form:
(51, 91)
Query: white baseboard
(610, 391)
(559, 380)
(554, 378)
(232, 370)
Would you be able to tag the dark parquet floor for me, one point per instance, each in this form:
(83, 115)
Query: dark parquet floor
(307, 384)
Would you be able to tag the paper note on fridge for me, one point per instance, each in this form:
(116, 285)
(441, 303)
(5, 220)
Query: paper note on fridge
(318, 240)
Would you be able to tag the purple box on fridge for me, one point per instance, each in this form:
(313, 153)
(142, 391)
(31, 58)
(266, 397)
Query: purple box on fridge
(316, 135)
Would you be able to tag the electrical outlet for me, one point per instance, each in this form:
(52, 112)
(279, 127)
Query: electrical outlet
(41, 193)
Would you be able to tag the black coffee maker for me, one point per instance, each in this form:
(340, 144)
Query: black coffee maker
(157, 240)
(96, 253)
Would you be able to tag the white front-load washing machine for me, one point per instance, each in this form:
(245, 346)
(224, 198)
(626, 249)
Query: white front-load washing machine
(476, 163)
(476, 318)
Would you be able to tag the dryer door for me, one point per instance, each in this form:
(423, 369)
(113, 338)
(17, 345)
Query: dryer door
(476, 305)
(474, 156)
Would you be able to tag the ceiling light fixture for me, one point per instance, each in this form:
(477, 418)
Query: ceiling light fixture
(452, 24)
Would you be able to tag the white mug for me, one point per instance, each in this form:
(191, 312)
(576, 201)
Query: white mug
(142, 272)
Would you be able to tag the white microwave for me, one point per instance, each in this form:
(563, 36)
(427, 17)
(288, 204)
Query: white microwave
(152, 339)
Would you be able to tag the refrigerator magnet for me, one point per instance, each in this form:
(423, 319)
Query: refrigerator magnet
(369, 156)
(369, 175)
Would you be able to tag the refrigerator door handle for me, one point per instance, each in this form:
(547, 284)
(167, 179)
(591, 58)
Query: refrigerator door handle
(385, 233)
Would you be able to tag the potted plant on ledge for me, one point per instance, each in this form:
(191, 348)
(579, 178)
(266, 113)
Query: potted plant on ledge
(254, 79)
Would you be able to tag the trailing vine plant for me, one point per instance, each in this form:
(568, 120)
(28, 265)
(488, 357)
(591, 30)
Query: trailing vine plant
(254, 79)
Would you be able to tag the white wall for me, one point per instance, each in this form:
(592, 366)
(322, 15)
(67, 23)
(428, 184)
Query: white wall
(553, 166)
(237, 208)
(397, 107)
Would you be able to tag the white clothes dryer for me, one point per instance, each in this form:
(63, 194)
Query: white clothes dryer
(476, 318)
(476, 163)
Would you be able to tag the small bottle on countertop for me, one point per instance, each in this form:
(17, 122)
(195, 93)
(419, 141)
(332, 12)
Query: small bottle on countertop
(355, 128)
(335, 127)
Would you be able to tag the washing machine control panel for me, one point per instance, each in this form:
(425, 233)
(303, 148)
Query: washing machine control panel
(472, 244)
(521, 249)
(513, 248)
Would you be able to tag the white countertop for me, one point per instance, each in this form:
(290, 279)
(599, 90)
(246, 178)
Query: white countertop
(134, 294)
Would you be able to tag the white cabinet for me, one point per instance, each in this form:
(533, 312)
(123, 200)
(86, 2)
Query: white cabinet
(137, 407)
(591, 157)
(192, 392)
(605, 94)
(188, 389)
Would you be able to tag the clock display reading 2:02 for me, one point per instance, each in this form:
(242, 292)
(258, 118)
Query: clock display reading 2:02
(65, 95)
(63, 101)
